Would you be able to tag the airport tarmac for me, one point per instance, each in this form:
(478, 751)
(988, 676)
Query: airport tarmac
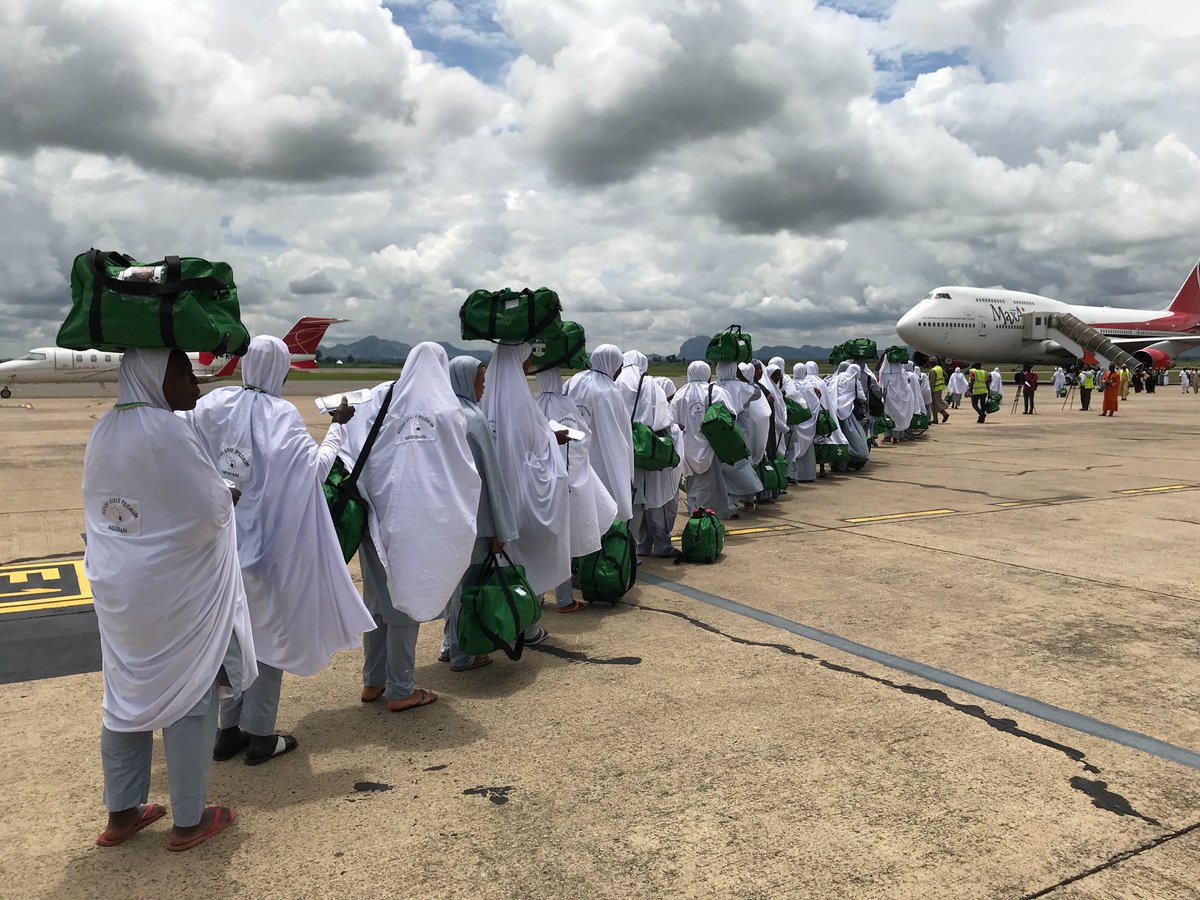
(968, 672)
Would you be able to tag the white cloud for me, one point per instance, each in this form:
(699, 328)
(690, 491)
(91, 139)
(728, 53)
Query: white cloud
(668, 167)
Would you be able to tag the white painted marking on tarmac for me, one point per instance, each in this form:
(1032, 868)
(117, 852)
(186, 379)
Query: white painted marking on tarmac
(1028, 705)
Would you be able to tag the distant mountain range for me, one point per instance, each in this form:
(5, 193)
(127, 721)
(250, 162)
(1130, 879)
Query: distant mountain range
(372, 349)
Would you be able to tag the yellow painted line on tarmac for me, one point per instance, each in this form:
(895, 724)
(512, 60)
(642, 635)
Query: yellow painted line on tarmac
(1014, 503)
(43, 585)
(733, 532)
(921, 514)
(1158, 490)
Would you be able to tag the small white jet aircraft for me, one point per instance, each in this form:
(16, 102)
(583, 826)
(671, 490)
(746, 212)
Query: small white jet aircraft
(996, 325)
(55, 365)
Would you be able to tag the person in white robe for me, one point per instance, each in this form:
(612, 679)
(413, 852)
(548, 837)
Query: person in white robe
(802, 457)
(703, 479)
(996, 381)
(602, 404)
(592, 509)
(422, 490)
(495, 518)
(1060, 380)
(303, 606)
(848, 390)
(162, 563)
(829, 403)
(669, 511)
(768, 379)
(652, 490)
(534, 470)
(957, 386)
(741, 480)
(897, 399)
(1185, 380)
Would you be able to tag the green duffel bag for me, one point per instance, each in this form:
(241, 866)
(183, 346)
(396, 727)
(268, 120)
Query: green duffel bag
(703, 538)
(721, 430)
(1062, 392)
(993, 402)
(609, 573)
(920, 422)
(768, 474)
(510, 317)
(178, 302)
(861, 348)
(496, 609)
(730, 345)
(884, 423)
(837, 355)
(797, 412)
(825, 424)
(653, 451)
(565, 348)
(832, 453)
(347, 507)
(896, 355)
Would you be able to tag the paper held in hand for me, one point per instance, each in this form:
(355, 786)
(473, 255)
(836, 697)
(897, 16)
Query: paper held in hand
(572, 433)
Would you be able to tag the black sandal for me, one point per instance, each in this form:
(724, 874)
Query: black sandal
(284, 743)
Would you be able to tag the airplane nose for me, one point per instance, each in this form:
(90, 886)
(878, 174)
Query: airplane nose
(907, 327)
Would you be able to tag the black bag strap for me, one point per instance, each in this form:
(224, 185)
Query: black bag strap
(349, 484)
(636, 397)
(166, 303)
(96, 265)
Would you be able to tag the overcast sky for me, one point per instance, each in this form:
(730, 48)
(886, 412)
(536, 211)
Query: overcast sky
(807, 169)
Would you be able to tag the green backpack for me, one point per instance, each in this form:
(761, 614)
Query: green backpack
(884, 423)
(861, 348)
(897, 354)
(797, 412)
(611, 571)
(497, 609)
(920, 421)
(347, 506)
(730, 345)
(832, 453)
(185, 303)
(653, 451)
(721, 430)
(993, 402)
(703, 537)
(508, 316)
(825, 423)
(565, 348)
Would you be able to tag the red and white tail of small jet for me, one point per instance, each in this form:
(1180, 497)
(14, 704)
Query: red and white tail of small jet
(990, 324)
(55, 365)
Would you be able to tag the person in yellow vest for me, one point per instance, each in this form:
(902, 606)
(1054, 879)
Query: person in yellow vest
(1087, 383)
(977, 380)
(937, 384)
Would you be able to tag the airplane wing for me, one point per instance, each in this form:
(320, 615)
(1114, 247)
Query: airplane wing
(1181, 343)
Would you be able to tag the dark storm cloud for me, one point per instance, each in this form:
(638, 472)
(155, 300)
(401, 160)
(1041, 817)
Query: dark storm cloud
(318, 282)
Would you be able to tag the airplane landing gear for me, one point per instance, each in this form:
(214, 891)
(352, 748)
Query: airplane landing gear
(5, 392)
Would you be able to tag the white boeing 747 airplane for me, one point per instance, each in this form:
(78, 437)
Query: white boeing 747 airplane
(55, 365)
(995, 325)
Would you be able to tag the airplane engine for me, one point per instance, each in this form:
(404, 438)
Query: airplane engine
(1153, 358)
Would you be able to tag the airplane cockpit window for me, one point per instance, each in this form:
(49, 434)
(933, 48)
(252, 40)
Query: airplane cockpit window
(942, 296)
(33, 356)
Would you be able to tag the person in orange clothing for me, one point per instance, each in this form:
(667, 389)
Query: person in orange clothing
(1111, 382)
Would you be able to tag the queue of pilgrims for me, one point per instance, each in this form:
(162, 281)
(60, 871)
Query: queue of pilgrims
(201, 610)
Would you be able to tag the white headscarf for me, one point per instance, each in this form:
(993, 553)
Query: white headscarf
(847, 386)
(739, 391)
(778, 406)
(828, 402)
(303, 605)
(1060, 378)
(652, 408)
(603, 408)
(755, 418)
(689, 405)
(534, 470)
(996, 381)
(958, 382)
(420, 483)
(592, 508)
(161, 556)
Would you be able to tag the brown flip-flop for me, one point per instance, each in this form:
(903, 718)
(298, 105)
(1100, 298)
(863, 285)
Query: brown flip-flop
(477, 663)
(223, 817)
(371, 693)
(151, 812)
(576, 606)
(425, 698)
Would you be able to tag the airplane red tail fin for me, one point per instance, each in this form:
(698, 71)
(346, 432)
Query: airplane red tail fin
(307, 333)
(227, 369)
(1187, 300)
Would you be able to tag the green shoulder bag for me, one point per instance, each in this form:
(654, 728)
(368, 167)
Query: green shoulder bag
(347, 507)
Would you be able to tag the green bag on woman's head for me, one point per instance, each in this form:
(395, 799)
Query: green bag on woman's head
(496, 609)
(730, 345)
(183, 303)
(508, 316)
(896, 355)
(565, 348)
